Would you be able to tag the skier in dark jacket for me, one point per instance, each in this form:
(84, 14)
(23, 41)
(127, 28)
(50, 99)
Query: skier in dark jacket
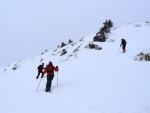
(123, 43)
(50, 75)
(40, 70)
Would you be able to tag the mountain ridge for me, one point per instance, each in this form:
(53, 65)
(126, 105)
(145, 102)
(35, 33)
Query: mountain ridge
(90, 81)
(76, 44)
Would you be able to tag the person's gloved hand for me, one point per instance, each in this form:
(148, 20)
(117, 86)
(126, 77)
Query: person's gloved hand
(57, 68)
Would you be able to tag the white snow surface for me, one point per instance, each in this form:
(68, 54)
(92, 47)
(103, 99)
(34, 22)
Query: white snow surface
(89, 80)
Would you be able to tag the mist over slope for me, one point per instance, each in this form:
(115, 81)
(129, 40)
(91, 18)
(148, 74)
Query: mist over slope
(90, 80)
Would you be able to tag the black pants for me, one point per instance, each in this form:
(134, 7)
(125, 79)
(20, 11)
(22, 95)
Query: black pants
(124, 47)
(49, 82)
(39, 74)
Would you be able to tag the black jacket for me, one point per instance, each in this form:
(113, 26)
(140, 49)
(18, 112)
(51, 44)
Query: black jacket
(40, 68)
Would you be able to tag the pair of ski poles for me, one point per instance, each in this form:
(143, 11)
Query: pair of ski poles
(40, 82)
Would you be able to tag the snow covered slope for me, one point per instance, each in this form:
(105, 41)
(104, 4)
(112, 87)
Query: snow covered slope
(90, 81)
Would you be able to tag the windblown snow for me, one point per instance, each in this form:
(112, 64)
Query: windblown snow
(89, 80)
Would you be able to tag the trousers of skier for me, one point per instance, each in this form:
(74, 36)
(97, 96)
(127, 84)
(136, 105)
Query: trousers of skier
(123, 44)
(50, 75)
(40, 70)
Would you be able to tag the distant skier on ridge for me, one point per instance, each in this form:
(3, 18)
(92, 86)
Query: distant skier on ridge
(123, 43)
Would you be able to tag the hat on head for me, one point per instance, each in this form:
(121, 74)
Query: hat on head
(50, 63)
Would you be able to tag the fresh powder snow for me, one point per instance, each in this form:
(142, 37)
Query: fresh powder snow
(89, 80)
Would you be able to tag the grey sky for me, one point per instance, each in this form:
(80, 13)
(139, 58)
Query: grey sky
(28, 27)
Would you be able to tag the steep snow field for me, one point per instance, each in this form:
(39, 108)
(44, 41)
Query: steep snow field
(89, 80)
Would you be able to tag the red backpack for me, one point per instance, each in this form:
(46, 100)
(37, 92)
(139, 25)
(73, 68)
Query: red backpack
(50, 68)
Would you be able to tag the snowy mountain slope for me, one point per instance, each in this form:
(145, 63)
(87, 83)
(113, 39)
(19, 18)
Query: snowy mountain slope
(90, 81)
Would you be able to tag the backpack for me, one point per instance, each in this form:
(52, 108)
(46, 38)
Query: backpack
(124, 41)
(40, 67)
(49, 68)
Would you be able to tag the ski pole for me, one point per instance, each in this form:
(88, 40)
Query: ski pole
(57, 78)
(119, 50)
(38, 85)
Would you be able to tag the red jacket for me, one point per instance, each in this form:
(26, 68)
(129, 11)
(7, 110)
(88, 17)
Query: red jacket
(50, 73)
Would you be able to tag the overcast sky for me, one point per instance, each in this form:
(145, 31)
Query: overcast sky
(28, 27)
